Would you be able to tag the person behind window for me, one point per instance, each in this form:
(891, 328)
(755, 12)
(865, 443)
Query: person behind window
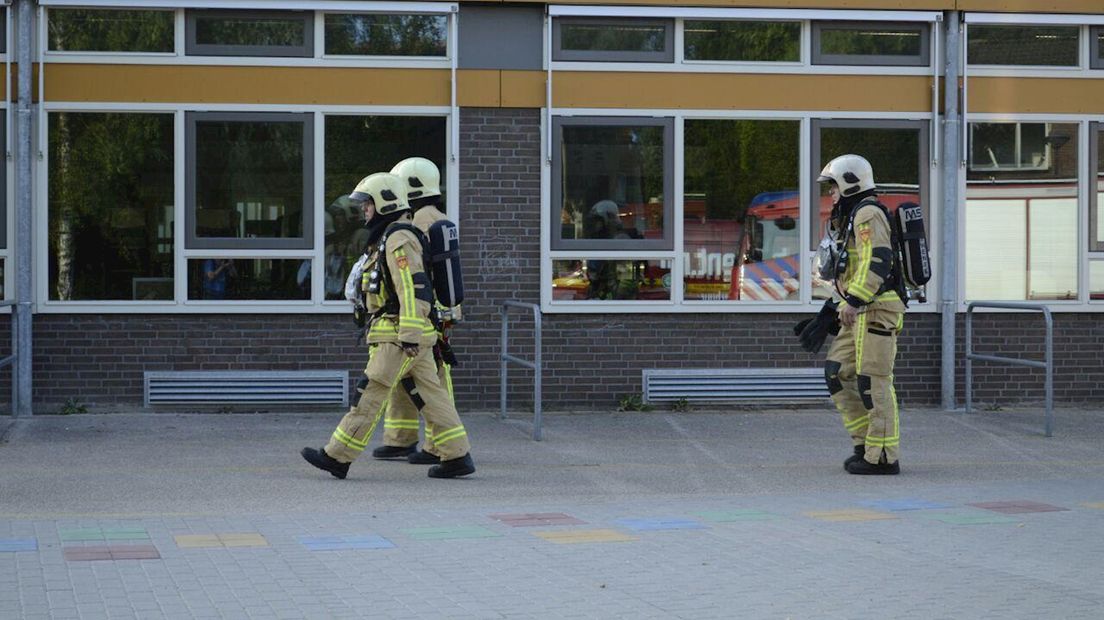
(603, 221)
(216, 277)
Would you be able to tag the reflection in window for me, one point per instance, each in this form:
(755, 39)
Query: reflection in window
(1096, 60)
(110, 210)
(740, 210)
(627, 36)
(386, 35)
(357, 146)
(250, 33)
(1009, 146)
(1021, 226)
(870, 44)
(743, 41)
(1096, 280)
(249, 179)
(1096, 217)
(612, 182)
(110, 30)
(249, 279)
(1052, 46)
(611, 279)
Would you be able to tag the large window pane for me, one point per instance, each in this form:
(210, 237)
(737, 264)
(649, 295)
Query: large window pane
(611, 184)
(1021, 224)
(110, 30)
(741, 238)
(387, 35)
(1022, 45)
(1096, 59)
(249, 279)
(1096, 216)
(1096, 280)
(110, 206)
(611, 279)
(250, 33)
(357, 146)
(249, 179)
(870, 43)
(743, 41)
(626, 39)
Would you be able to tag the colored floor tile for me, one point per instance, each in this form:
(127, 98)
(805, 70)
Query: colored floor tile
(1098, 505)
(568, 537)
(898, 505)
(449, 533)
(529, 519)
(333, 543)
(111, 552)
(850, 515)
(964, 518)
(661, 524)
(12, 545)
(729, 516)
(201, 541)
(103, 534)
(1018, 507)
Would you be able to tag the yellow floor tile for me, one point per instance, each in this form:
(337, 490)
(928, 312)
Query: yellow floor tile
(583, 536)
(243, 540)
(851, 515)
(1099, 505)
(191, 541)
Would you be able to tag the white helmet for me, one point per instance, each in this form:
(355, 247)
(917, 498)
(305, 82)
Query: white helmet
(851, 173)
(421, 176)
(386, 190)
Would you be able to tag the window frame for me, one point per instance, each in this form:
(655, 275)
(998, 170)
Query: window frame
(561, 55)
(801, 42)
(1018, 148)
(107, 53)
(1096, 47)
(192, 48)
(1095, 165)
(924, 59)
(1016, 67)
(557, 242)
(194, 242)
(321, 16)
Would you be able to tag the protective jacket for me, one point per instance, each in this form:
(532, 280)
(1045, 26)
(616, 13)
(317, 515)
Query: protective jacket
(400, 307)
(867, 280)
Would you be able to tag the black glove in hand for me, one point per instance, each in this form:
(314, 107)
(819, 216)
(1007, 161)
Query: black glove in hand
(814, 331)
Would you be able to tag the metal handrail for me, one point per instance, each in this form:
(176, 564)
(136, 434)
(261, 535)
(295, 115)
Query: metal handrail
(1048, 364)
(12, 358)
(535, 364)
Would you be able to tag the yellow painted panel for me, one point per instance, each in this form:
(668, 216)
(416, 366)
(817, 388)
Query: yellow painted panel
(1033, 6)
(717, 91)
(913, 5)
(219, 84)
(1035, 95)
(479, 88)
(523, 89)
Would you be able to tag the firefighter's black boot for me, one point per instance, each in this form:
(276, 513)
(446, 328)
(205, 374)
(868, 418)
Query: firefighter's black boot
(421, 457)
(324, 461)
(394, 452)
(453, 468)
(863, 468)
(860, 450)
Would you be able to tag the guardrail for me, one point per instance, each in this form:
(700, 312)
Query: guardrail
(535, 364)
(11, 358)
(1048, 364)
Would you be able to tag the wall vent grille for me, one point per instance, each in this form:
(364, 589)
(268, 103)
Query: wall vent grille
(227, 387)
(751, 385)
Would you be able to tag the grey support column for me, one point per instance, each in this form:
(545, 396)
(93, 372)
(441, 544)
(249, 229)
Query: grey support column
(952, 160)
(24, 290)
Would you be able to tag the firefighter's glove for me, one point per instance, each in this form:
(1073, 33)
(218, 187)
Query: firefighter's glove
(410, 349)
(811, 333)
(448, 356)
(360, 315)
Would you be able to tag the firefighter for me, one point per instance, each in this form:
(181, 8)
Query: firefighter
(400, 425)
(401, 337)
(859, 365)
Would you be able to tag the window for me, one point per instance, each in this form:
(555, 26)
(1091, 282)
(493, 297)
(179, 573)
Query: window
(740, 221)
(110, 30)
(1021, 226)
(386, 35)
(612, 40)
(1051, 46)
(249, 179)
(1010, 146)
(1096, 58)
(1096, 194)
(742, 41)
(1096, 280)
(249, 279)
(611, 279)
(871, 43)
(611, 187)
(250, 33)
(110, 206)
(896, 150)
(357, 146)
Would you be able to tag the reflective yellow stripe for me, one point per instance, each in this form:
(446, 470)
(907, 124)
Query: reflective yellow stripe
(349, 441)
(448, 381)
(408, 424)
(449, 435)
(856, 423)
(860, 337)
(408, 310)
(858, 281)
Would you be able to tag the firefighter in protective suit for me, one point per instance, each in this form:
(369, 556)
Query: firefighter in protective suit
(859, 368)
(400, 426)
(398, 299)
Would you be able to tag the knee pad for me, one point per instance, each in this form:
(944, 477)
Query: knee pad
(412, 390)
(864, 391)
(831, 377)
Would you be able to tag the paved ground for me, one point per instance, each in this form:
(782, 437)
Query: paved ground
(646, 515)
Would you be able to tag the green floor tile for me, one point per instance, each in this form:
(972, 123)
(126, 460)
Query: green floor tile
(132, 533)
(90, 533)
(446, 533)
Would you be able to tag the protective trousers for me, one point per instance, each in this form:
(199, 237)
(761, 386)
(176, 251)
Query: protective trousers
(859, 373)
(387, 367)
(400, 424)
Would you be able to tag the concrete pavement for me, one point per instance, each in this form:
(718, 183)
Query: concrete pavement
(622, 515)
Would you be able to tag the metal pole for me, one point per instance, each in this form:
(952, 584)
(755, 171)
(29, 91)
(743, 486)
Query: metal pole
(949, 239)
(537, 377)
(21, 370)
(969, 356)
(1049, 371)
(502, 370)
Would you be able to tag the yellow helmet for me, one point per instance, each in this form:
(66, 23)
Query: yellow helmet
(422, 178)
(386, 190)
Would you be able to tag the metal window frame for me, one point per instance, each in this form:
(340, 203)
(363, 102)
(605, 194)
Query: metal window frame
(322, 15)
(666, 56)
(187, 274)
(1018, 147)
(194, 242)
(1095, 165)
(558, 243)
(1029, 24)
(46, 28)
(192, 48)
(1096, 47)
(923, 59)
(286, 5)
(681, 29)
